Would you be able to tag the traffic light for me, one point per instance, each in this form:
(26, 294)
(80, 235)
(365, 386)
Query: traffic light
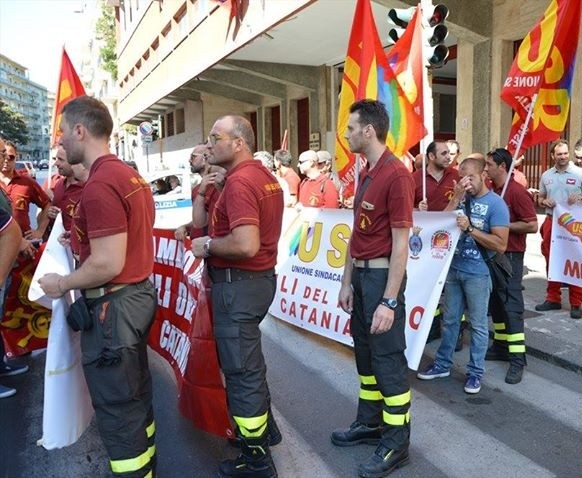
(434, 34)
(156, 129)
(400, 18)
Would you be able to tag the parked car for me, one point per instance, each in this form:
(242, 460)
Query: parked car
(43, 164)
(173, 207)
(25, 168)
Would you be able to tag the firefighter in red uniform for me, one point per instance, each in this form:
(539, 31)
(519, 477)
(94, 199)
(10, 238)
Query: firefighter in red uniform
(372, 291)
(112, 231)
(67, 191)
(241, 254)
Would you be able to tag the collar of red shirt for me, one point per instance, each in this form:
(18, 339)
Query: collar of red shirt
(386, 156)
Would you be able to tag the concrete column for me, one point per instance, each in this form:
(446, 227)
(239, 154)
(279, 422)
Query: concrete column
(314, 113)
(293, 130)
(465, 75)
(481, 97)
(501, 59)
(260, 128)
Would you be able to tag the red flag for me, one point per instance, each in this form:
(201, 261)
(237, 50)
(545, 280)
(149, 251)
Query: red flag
(69, 87)
(405, 59)
(368, 75)
(544, 66)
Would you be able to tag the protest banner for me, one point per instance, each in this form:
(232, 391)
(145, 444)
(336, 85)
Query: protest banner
(566, 251)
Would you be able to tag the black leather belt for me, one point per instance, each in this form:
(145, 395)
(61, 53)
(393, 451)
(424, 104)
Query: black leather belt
(232, 274)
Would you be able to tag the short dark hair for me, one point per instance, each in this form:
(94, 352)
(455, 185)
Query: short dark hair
(373, 112)
(91, 113)
(284, 157)
(501, 156)
(557, 143)
(432, 147)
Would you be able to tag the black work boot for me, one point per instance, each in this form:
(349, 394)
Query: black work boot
(514, 373)
(254, 461)
(356, 434)
(383, 462)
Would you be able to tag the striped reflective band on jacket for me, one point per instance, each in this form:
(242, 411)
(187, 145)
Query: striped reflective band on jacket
(252, 427)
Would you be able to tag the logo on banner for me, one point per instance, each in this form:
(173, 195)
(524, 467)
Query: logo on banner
(568, 222)
(440, 244)
(415, 242)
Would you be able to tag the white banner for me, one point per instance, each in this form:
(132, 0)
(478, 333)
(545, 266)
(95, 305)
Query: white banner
(566, 247)
(312, 253)
(67, 409)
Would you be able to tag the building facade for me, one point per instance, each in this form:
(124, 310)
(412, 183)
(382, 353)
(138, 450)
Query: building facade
(186, 62)
(31, 100)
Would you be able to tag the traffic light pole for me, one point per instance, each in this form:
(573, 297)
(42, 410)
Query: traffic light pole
(427, 100)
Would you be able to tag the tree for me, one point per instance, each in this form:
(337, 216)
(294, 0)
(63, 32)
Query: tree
(105, 31)
(12, 125)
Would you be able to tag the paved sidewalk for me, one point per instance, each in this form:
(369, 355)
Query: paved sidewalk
(552, 336)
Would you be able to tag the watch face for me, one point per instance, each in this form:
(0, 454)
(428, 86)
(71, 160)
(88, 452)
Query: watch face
(392, 303)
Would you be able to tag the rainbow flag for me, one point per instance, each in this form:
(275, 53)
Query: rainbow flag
(367, 74)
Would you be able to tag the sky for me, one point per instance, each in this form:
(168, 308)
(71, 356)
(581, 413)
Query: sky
(33, 33)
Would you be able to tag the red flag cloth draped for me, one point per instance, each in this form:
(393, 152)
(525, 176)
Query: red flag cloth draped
(25, 324)
(544, 65)
(405, 59)
(368, 75)
(182, 334)
(69, 87)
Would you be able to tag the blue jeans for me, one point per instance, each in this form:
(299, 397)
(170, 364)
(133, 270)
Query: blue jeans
(471, 292)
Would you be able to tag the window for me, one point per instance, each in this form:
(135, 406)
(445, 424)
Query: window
(182, 21)
(179, 117)
(170, 124)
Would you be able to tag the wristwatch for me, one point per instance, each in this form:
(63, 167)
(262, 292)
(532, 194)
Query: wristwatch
(206, 247)
(390, 303)
(469, 229)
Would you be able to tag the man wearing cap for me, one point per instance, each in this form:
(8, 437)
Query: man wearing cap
(316, 190)
(326, 167)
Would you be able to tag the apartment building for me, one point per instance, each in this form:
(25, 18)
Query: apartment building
(31, 100)
(279, 62)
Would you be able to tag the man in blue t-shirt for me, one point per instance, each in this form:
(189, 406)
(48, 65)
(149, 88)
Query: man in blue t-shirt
(468, 284)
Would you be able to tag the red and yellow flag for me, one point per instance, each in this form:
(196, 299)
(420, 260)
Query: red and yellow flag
(367, 74)
(69, 87)
(544, 65)
(405, 59)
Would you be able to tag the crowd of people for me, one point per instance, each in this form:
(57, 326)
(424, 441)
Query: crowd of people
(237, 212)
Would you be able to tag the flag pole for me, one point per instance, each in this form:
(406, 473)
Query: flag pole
(519, 142)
